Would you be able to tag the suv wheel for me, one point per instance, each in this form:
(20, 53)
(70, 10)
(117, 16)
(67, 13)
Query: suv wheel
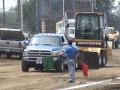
(59, 65)
(20, 56)
(8, 55)
(39, 67)
(25, 67)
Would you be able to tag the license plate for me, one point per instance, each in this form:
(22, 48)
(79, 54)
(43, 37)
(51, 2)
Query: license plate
(39, 61)
(7, 50)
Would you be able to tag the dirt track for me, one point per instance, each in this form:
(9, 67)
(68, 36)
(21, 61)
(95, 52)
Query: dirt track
(12, 78)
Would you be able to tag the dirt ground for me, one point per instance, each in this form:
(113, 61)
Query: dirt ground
(12, 78)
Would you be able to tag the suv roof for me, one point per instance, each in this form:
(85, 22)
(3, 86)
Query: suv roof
(49, 34)
(110, 27)
(9, 29)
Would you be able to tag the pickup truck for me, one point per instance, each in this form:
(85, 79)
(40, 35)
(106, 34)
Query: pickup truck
(42, 48)
(11, 42)
(113, 36)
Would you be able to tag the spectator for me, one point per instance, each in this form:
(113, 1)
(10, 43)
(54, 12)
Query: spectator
(71, 53)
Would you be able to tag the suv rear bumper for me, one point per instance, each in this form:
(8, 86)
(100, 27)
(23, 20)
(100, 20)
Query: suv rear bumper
(11, 50)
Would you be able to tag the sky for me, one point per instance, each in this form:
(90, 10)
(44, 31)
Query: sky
(13, 3)
(116, 2)
(8, 4)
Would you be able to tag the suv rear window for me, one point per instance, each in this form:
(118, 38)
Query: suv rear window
(12, 35)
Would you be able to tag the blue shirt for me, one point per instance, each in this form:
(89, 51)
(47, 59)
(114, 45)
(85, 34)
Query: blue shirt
(71, 52)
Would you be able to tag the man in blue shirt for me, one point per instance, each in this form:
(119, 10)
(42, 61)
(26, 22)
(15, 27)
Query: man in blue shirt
(71, 53)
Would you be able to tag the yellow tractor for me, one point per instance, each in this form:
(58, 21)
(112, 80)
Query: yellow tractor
(91, 39)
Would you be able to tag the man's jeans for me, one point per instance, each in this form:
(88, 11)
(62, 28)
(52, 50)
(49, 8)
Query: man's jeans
(71, 69)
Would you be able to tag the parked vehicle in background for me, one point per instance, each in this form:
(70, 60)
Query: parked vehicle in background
(44, 52)
(113, 35)
(11, 42)
(71, 28)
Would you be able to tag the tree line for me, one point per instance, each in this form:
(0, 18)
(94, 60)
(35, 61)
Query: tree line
(51, 11)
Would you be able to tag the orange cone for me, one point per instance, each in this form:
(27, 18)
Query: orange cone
(85, 70)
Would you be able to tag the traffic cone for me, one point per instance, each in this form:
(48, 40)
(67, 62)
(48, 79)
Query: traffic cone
(85, 69)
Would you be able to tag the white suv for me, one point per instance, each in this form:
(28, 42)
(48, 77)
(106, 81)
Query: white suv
(11, 42)
(113, 35)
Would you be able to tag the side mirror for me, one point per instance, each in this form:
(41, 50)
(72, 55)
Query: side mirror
(67, 25)
(26, 42)
(65, 43)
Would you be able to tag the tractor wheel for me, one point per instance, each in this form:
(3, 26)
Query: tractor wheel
(104, 44)
(100, 60)
(104, 59)
(92, 60)
(78, 65)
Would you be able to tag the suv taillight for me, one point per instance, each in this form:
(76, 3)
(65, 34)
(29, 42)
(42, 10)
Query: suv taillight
(20, 45)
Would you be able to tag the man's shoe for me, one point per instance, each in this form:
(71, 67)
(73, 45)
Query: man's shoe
(71, 81)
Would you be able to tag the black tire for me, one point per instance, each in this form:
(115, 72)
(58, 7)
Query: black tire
(8, 55)
(100, 60)
(117, 44)
(20, 56)
(59, 65)
(25, 67)
(79, 66)
(76, 66)
(39, 67)
(104, 59)
(80, 59)
(92, 59)
(36, 68)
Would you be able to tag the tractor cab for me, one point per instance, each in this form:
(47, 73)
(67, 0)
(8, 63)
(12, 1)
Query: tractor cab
(89, 26)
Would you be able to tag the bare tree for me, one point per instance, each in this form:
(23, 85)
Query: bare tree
(18, 13)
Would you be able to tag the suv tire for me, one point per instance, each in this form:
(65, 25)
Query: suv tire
(59, 65)
(8, 55)
(25, 67)
(20, 56)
